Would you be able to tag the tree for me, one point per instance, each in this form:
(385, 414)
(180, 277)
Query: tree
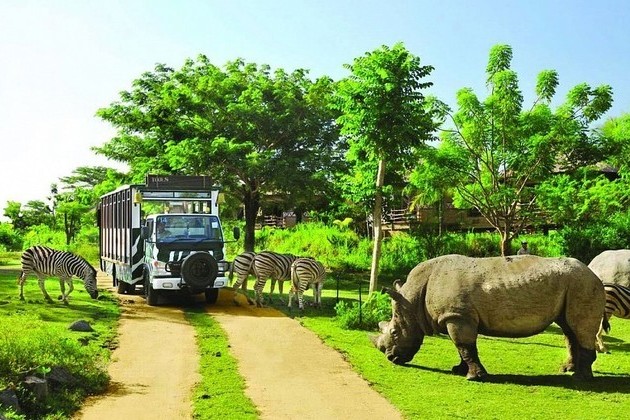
(254, 131)
(34, 213)
(498, 151)
(385, 119)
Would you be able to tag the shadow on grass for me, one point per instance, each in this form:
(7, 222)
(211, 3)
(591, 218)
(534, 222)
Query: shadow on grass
(603, 382)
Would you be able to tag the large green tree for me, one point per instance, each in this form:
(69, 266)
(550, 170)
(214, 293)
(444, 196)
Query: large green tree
(257, 132)
(499, 151)
(385, 119)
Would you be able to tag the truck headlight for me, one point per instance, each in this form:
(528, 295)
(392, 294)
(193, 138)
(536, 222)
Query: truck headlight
(223, 266)
(159, 268)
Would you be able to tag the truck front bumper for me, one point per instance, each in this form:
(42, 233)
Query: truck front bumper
(176, 283)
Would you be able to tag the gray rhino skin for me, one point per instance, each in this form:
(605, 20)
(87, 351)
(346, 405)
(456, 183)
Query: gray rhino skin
(516, 296)
(612, 266)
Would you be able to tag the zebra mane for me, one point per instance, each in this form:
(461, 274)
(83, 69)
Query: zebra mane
(84, 261)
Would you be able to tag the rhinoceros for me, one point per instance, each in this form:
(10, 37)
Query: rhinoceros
(515, 296)
(612, 266)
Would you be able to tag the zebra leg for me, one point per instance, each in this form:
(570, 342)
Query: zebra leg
(273, 286)
(303, 286)
(241, 287)
(21, 280)
(599, 343)
(317, 294)
(280, 286)
(62, 287)
(70, 284)
(258, 288)
(41, 279)
(291, 294)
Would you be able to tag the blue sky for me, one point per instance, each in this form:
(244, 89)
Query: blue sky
(61, 60)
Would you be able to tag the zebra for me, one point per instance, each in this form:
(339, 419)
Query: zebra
(617, 304)
(306, 272)
(43, 261)
(272, 265)
(243, 265)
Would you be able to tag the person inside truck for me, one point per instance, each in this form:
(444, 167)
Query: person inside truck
(162, 232)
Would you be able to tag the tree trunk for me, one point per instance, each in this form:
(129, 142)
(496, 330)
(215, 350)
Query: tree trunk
(251, 200)
(378, 232)
(506, 242)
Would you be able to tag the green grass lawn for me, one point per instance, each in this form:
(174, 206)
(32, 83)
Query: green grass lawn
(525, 381)
(34, 337)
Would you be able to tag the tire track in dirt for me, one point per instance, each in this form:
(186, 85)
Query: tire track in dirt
(289, 372)
(154, 368)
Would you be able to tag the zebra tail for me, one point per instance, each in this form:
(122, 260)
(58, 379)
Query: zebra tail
(231, 273)
(606, 324)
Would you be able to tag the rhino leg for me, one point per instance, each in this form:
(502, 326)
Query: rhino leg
(580, 359)
(470, 364)
(464, 336)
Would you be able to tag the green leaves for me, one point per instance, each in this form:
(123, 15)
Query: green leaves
(546, 84)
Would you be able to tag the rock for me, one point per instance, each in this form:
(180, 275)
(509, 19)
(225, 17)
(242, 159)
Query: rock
(81, 326)
(9, 399)
(38, 386)
(60, 375)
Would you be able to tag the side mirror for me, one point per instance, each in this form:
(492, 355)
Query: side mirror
(236, 232)
(144, 232)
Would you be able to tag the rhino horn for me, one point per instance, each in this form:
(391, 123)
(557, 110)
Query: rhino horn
(394, 294)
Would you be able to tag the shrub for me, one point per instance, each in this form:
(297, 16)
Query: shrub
(365, 316)
(44, 235)
(10, 240)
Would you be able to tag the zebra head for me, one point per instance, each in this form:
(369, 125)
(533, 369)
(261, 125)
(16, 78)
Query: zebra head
(89, 280)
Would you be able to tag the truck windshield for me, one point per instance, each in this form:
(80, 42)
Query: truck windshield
(188, 227)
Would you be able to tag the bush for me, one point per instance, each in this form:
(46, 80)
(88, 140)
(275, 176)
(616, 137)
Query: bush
(44, 235)
(400, 253)
(365, 316)
(10, 240)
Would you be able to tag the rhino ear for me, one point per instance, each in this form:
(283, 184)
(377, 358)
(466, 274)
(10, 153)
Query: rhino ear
(394, 294)
(374, 339)
(383, 326)
(398, 284)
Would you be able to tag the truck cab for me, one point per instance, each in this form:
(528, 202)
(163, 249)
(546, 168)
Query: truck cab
(171, 242)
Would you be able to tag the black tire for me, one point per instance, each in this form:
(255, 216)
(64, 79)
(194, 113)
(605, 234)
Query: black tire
(122, 287)
(199, 270)
(149, 292)
(211, 295)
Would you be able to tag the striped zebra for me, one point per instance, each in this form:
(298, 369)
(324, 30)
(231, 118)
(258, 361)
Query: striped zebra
(43, 261)
(307, 272)
(243, 265)
(617, 304)
(272, 265)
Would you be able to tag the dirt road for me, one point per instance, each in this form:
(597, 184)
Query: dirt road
(289, 372)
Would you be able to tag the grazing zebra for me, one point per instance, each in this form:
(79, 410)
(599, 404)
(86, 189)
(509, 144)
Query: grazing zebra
(243, 265)
(617, 304)
(304, 273)
(272, 265)
(43, 261)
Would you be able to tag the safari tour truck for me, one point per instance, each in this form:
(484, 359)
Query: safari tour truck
(178, 247)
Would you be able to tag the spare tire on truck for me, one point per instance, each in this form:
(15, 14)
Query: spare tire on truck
(199, 270)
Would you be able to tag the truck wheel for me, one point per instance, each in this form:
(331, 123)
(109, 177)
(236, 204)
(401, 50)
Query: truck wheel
(211, 295)
(149, 292)
(122, 287)
(199, 270)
